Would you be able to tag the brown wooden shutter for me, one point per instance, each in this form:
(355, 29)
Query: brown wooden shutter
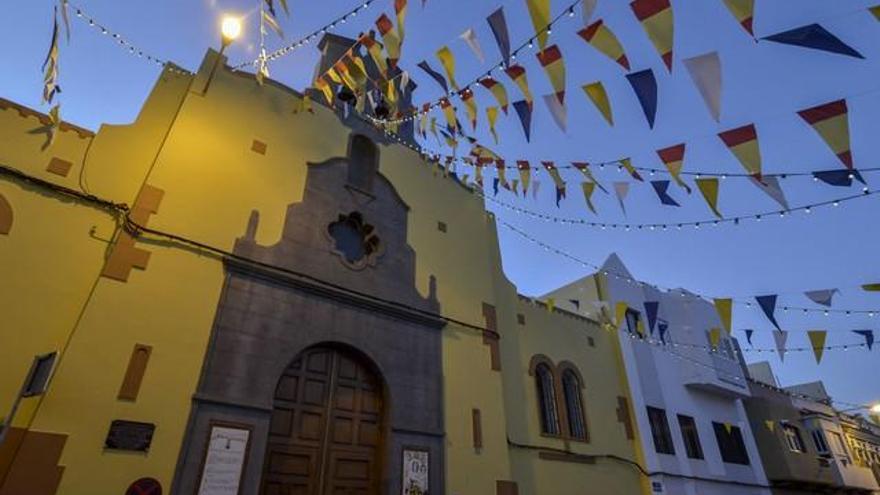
(478, 429)
(134, 375)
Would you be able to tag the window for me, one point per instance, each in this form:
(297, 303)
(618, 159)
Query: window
(730, 443)
(632, 321)
(690, 436)
(660, 431)
(571, 387)
(38, 377)
(547, 400)
(838, 445)
(819, 441)
(793, 438)
(363, 162)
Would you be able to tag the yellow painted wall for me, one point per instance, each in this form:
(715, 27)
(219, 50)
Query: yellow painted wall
(197, 148)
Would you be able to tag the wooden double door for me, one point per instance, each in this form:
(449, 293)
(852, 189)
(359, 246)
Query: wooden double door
(326, 431)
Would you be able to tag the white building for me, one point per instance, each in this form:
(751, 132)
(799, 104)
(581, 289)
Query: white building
(696, 437)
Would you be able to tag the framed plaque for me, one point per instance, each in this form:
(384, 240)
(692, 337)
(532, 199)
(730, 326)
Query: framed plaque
(129, 435)
(415, 471)
(225, 459)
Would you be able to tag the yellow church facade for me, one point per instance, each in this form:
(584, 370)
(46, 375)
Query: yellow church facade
(230, 296)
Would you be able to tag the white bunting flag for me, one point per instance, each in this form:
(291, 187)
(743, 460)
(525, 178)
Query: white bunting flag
(470, 37)
(772, 187)
(705, 71)
(780, 337)
(557, 110)
(621, 189)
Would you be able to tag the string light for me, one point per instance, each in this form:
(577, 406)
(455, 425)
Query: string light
(127, 45)
(297, 44)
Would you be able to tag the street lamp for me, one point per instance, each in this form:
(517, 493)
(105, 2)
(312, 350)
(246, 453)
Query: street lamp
(230, 29)
(876, 408)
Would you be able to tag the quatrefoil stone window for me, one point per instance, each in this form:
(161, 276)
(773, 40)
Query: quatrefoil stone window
(354, 240)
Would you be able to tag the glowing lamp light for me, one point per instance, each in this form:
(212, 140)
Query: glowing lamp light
(876, 408)
(230, 28)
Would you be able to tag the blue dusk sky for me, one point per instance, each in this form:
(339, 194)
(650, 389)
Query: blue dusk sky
(764, 83)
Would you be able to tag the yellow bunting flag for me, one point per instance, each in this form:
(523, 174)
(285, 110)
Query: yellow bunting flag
(325, 88)
(817, 341)
(497, 90)
(871, 287)
(597, 94)
(620, 314)
(54, 124)
(539, 10)
(640, 328)
(673, 158)
(502, 173)
(831, 122)
(551, 61)
(492, 117)
(557, 179)
(656, 19)
(875, 11)
(447, 59)
(342, 69)
(525, 174)
(588, 188)
(724, 307)
(602, 39)
(715, 337)
(467, 97)
(375, 50)
(449, 113)
(400, 10)
(390, 37)
(626, 163)
(709, 189)
(390, 91)
(770, 424)
(518, 74)
(50, 66)
(728, 428)
(333, 75)
(356, 69)
(584, 168)
(744, 11)
(551, 304)
(743, 143)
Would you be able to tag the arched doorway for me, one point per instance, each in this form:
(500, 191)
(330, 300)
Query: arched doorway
(325, 436)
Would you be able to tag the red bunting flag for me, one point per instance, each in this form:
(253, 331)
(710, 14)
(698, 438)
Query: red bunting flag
(525, 174)
(391, 39)
(400, 10)
(656, 19)
(604, 40)
(498, 91)
(518, 74)
(831, 122)
(673, 158)
(551, 61)
(743, 142)
(744, 11)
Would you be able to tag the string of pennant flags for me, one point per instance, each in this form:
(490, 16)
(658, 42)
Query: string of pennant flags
(822, 297)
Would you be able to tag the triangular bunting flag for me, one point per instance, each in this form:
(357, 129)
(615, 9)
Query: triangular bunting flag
(525, 174)
(656, 19)
(447, 60)
(557, 180)
(588, 7)
(772, 187)
(492, 117)
(839, 178)
(604, 40)
(390, 37)
(502, 173)
(817, 342)
(621, 189)
(705, 71)
(715, 338)
(743, 142)
(551, 304)
(584, 168)
(551, 60)
(539, 11)
(816, 37)
(597, 94)
(662, 327)
(434, 75)
(626, 163)
(673, 158)
(871, 287)
(728, 428)
(724, 307)
(499, 30)
(535, 186)
(467, 97)
(875, 11)
(517, 73)
(768, 305)
(375, 50)
(868, 335)
(524, 111)
(744, 11)
(821, 297)
(557, 110)
(588, 188)
(645, 86)
(651, 310)
(498, 91)
(709, 189)
(400, 10)
(770, 424)
(749, 336)
(831, 122)
(470, 37)
(780, 337)
(660, 187)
